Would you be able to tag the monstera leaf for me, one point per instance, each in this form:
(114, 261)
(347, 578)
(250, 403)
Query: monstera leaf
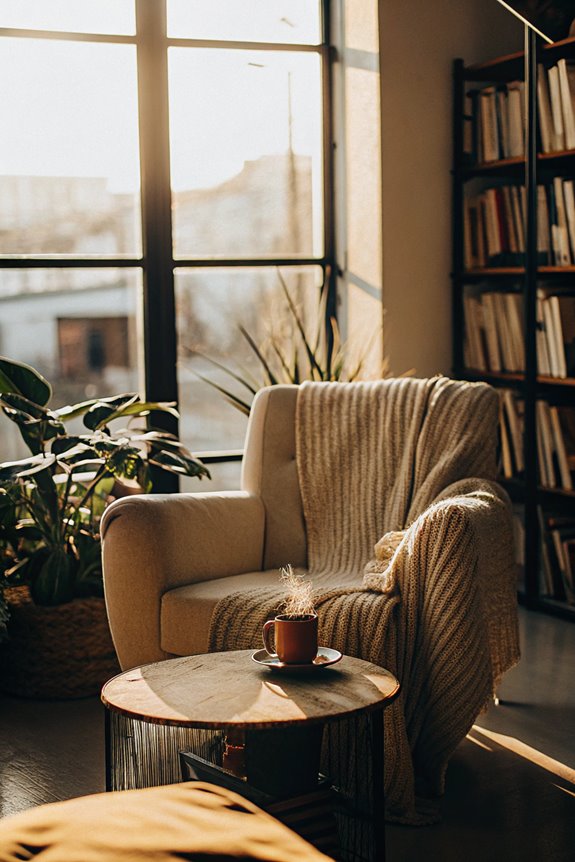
(51, 503)
(21, 379)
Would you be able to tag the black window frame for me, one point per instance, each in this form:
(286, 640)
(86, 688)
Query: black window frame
(157, 263)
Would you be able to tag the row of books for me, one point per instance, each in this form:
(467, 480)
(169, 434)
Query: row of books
(557, 570)
(494, 339)
(555, 441)
(494, 224)
(494, 116)
(558, 556)
(556, 106)
(494, 123)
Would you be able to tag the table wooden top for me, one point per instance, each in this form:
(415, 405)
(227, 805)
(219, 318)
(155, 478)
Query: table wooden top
(227, 689)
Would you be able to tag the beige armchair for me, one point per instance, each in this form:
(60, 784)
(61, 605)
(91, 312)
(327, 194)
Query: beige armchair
(169, 559)
(384, 493)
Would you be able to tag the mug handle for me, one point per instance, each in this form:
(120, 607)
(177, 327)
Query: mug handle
(267, 633)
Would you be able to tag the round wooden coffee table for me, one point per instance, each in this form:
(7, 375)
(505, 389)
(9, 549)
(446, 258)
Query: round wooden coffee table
(156, 711)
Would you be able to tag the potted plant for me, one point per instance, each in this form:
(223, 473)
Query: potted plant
(51, 504)
(292, 355)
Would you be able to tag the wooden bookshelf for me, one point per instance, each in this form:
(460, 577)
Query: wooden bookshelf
(527, 487)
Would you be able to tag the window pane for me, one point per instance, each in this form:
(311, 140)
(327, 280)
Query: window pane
(87, 16)
(226, 476)
(295, 21)
(69, 180)
(364, 344)
(363, 175)
(78, 327)
(211, 304)
(246, 153)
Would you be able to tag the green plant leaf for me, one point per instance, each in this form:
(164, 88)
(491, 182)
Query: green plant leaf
(175, 462)
(22, 379)
(241, 380)
(13, 470)
(103, 409)
(72, 411)
(308, 349)
(272, 380)
(106, 410)
(234, 400)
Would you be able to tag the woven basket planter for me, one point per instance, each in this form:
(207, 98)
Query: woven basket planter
(59, 652)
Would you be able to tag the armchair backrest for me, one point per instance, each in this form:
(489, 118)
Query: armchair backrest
(269, 471)
(417, 437)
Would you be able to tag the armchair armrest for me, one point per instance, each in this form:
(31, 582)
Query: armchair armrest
(153, 543)
(491, 522)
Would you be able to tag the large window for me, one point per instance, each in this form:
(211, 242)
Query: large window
(162, 168)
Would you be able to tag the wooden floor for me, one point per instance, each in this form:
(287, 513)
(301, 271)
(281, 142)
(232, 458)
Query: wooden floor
(510, 791)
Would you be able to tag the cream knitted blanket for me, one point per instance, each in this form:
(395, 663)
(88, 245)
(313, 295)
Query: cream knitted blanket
(437, 605)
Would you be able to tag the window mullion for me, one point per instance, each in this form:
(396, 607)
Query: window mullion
(159, 303)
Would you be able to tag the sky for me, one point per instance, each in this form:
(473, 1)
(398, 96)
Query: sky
(69, 108)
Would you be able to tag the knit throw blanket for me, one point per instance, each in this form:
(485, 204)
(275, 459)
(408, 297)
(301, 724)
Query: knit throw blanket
(411, 560)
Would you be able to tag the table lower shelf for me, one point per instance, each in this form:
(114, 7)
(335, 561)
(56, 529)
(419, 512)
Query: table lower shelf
(310, 814)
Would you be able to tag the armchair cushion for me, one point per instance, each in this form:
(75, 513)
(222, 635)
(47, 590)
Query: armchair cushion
(186, 612)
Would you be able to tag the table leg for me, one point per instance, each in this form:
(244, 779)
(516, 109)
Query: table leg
(108, 749)
(378, 791)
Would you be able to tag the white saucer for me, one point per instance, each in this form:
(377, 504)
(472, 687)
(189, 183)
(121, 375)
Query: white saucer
(324, 658)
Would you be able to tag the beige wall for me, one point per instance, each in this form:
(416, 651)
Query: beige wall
(419, 40)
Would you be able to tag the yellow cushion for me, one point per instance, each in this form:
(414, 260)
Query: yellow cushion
(163, 824)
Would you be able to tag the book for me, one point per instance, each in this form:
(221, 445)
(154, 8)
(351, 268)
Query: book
(488, 122)
(491, 334)
(545, 446)
(564, 253)
(556, 108)
(558, 335)
(473, 314)
(502, 115)
(566, 71)
(503, 332)
(560, 450)
(566, 306)
(515, 426)
(516, 119)
(569, 196)
(546, 130)
(543, 360)
(543, 235)
(506, 467)
(551, 336)
(518, 218)
(491, 223)
(513, 311)
(549, 564)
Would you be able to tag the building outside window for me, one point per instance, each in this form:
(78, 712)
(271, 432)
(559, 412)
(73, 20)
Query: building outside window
(164, 166)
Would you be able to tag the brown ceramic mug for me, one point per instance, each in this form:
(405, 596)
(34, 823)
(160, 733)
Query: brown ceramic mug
(295, 638)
